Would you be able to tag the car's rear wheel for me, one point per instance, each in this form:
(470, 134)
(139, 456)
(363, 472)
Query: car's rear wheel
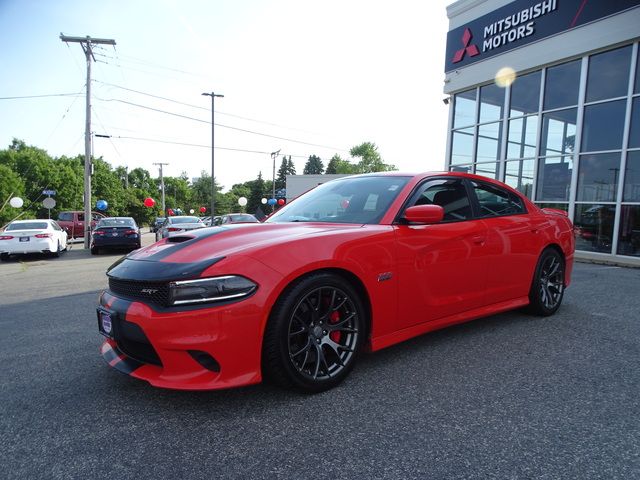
(4, 257)
(95, 250)
(314, 334)
(56, 252)
(547, 288)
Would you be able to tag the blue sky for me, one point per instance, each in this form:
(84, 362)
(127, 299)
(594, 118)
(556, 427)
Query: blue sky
(320, 76)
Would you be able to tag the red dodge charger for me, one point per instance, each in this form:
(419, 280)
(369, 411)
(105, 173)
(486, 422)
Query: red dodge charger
(358, 263)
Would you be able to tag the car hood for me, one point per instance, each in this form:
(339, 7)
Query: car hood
(245, 239)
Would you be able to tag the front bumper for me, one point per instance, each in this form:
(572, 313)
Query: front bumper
(195, 349)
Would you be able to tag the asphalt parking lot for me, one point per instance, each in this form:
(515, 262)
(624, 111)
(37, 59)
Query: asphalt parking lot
(509, 396)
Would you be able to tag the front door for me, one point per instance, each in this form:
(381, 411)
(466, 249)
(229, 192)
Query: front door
(442, 268)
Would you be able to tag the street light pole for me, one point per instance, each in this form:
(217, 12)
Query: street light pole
(213, 162)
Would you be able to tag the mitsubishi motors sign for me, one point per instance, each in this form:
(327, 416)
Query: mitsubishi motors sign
(522, 22)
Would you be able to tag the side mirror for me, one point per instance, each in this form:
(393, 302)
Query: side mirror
(424, 214)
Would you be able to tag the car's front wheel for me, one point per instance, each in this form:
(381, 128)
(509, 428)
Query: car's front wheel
(314, 333)
(547, 288)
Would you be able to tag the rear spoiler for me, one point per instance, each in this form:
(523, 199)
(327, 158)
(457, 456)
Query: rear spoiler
(555, 211)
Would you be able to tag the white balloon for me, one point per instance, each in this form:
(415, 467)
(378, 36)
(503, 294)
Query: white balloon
(16, 202)
(263, 201)
(242, 201)
(191, 211)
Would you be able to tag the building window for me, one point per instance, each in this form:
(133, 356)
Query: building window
(465, 109)
(561, 86)
(608, 75)
(629, 235)
(634, 130)
(603, 126)
(558, 132)
(489, 136)
(637, 89)
(631, 192)
(522, 137)
(491, 103)
(525, 94)
(488, 169)
(462, 146)
(519, 175)
(554, 179)
(593, 227)
(598, 177)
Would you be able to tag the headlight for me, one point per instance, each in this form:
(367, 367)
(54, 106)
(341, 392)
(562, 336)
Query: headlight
(214, 289)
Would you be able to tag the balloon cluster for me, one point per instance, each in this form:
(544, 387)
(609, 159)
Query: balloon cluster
(273, 201)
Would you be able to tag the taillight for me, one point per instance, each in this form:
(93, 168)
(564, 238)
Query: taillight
(44, 235)
(5, 237)
(97, 233)
(173, 229)
(130, 232)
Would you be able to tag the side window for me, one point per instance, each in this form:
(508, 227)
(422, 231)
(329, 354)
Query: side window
(450, 194)
(81, 217)
(495, 201)
(66, 216)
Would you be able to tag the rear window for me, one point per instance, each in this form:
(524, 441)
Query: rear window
(27, 226)
(117, 222)
(185, 220)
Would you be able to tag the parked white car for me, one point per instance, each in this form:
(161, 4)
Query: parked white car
(32, 236)
(177, 225)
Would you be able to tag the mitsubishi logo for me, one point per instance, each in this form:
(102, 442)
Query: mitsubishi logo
(471, 50)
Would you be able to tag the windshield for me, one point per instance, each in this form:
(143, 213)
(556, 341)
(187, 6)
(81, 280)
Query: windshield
(361, 200)
(27, 226)
(184, 220)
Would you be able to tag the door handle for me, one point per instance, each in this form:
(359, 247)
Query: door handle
(478, 239)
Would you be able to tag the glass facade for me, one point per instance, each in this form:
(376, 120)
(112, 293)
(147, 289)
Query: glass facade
(568, 137)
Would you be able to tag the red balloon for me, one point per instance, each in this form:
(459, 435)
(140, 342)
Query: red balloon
(170, 212)
(281, 201)
(149, 202)
(203, 209)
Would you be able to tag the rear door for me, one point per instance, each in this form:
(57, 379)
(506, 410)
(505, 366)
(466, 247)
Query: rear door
(442, 268)
(512, 241)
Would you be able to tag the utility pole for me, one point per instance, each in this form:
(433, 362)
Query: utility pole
(164, 213)
(213, 163)
(274, 155)
(87, 43)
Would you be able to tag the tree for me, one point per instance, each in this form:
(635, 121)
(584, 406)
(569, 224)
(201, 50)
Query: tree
(314, 166)
(286, 168)
(257, 189)
(338, 165)
(11, 185)
(370, 159)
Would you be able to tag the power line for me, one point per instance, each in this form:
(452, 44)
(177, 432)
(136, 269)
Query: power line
(43, 96)
(221, 125)
(199, 145)
(201, 108)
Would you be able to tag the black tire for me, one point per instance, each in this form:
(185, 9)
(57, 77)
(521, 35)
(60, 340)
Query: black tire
(4, 257)
(95, 250)
(314, 334)
(547, 287)
(56, 253)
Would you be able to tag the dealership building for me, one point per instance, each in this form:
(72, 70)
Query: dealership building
(545, 96)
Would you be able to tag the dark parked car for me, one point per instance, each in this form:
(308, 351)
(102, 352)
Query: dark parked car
(157, 223)
(115, 232)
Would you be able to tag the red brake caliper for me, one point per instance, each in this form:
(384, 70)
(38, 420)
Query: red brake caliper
(335, 335)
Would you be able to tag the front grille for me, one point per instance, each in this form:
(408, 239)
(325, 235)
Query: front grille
(147, 292)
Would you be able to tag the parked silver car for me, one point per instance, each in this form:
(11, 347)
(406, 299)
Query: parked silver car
(176, 225)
